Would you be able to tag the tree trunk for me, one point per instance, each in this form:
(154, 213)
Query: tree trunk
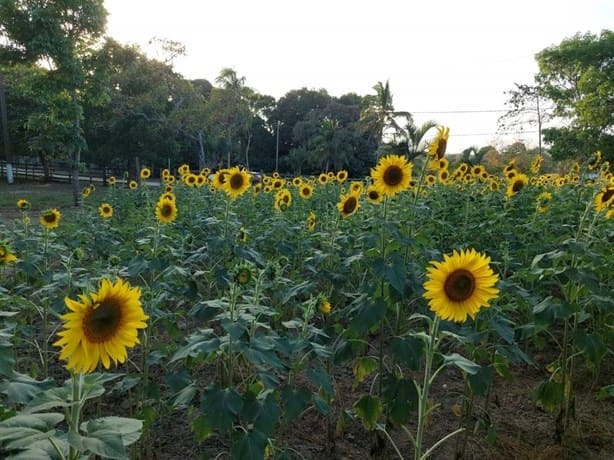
(249, 142)
(5, 132)
(201, 151)
(46, 170)
(76, 155)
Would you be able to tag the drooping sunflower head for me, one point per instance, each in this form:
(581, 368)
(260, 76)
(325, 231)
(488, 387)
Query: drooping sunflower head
(24, 205)
(392, 174)
(348, 204)
(242, 235)
(542, 201)
(100, 326)
(166, 211)
(516, 184)
(373, 195)
(6, 254)
(105, 210)
(237, 182)
(283, 199)
(50, 218)
(537, 164)
(437, 147)
(324, 305)
(460, 285)
(311, 221)
(604, 199)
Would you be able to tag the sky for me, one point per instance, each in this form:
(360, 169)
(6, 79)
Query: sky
(448, 61)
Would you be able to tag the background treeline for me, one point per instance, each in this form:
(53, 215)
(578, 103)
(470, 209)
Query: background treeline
(74, 93)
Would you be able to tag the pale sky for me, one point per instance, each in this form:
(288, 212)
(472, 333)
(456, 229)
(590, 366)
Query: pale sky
(439, 57)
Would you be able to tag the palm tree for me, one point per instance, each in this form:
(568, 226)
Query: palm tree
(415, 137)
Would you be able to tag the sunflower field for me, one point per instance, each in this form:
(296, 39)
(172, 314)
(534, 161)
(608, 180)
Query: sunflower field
(222, 315)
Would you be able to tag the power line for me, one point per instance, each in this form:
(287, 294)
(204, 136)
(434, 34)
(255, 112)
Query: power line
(464, 111)
(518, 133)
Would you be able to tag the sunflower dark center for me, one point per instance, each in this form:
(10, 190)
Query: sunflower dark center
(373, 194)
(517, 186)
(166, 210)
(236, 181)
(441, 148)
(49, 217)
(459, 285)
(393, 175)
(306, 191)
(350, 205)
(102, 321)
(607, 195)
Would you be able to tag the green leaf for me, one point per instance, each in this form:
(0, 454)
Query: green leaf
(295, 400)
(606, 392)
(107, 437)
(369, 409)
(366, 315)
(408, 351)
(461, 362)
(549, 394)
(22, 388)
(248, 445)
(481, 381)
(321, 379)
(363, 367)
(400, 396)
(54, 397)
(221, 406)
(201, 427)
(592, 346)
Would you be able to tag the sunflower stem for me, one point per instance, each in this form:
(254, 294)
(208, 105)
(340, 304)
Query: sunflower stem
(423, 393)
(75, 411)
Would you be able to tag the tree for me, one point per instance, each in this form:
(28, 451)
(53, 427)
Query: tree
(525, 108)
(577, 77)
(61, 34)
(379, 117)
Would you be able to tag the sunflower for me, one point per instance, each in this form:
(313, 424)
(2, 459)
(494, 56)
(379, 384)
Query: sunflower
(6, 256)
(165, 173)
(604, 199)
(430, 179)
(323, 179)
(460, 285)
(283, 199)
(243, 274)
(101, 326)
(356, 186)
(24, 205)
(237, 182)
(342, 176)
(50, 218)
(170, 180)
(297, 181)
(477, 170)
(205, 172)
(183, 169)
(111, 180)
(133, 185)
(105, 210)
(145, 173)
(494, 185)
(311, 221)
(437, 147)
(168, 196)
(200, 180)
(190, 179)
(324, 306)
(392, 174)
(443, 175)
(218, 179)
(86, 192)
(516, 184)
(242, 235)
(536, 164)
(278, 183)
(348, 204)
(542, 201)
(166, 211)
(373, 195)
(306, 191)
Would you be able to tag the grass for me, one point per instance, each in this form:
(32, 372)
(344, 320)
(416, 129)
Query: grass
(40, 195)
